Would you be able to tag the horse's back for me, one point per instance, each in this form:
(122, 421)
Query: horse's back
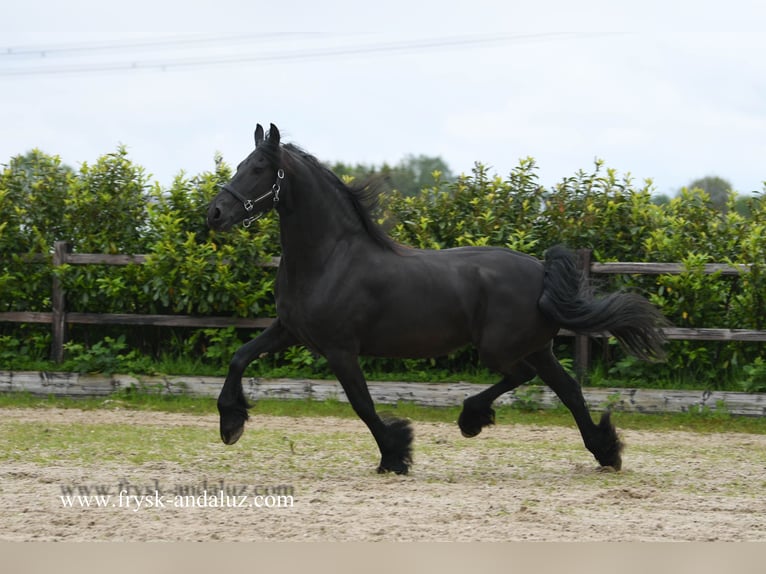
(428, 303)
(497, 271)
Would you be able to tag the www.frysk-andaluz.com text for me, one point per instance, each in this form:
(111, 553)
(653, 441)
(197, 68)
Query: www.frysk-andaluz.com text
(204, 495)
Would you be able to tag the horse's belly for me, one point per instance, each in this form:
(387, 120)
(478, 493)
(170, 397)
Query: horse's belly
(415, 336)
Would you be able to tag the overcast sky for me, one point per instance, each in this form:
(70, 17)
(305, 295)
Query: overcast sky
(665, 90)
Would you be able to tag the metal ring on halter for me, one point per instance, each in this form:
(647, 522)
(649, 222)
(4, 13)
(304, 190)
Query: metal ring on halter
(249, 221)
(276, 187)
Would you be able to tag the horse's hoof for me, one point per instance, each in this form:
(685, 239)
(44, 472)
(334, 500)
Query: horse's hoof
(397, 468)
(471, 422)
(397, 457)
(230, 436)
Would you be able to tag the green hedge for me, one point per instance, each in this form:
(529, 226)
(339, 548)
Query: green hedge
(112, 206)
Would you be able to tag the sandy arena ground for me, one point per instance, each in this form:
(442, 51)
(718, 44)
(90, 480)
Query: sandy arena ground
(511, 483)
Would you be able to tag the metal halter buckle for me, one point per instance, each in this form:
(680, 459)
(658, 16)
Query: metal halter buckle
(249, 204)
(276, 187)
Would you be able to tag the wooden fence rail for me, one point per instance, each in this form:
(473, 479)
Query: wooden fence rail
(58, 318)
(587, 268)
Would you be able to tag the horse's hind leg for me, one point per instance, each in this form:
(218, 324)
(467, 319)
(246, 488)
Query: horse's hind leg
(601, 439)
(393, 436)
(477, 409)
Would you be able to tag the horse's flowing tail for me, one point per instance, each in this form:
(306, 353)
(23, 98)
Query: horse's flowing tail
(570, 302)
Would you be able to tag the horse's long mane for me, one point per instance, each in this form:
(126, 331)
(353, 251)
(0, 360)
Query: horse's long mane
(363, 196)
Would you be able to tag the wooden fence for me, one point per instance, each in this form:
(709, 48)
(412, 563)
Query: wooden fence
(58, 317)
(588, 268)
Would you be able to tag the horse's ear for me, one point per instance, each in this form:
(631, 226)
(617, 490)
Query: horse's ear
(258, 135)
(273, 135)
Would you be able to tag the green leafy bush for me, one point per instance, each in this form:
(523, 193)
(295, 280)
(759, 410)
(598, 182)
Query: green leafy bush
(110, 206)
(106, 356)
(755, 376)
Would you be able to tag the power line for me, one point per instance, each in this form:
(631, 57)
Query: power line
(314, 53)
(140, 44)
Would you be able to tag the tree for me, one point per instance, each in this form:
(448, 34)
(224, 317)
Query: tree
(414, 173)
(716, 187)
(409, 177)
(742, 205)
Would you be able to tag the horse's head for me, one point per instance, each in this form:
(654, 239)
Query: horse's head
(255, 187)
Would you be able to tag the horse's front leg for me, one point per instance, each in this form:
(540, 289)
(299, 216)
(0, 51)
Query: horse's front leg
(232, 404)
(393, 436)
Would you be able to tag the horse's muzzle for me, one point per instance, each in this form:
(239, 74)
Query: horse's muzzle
(216, 219)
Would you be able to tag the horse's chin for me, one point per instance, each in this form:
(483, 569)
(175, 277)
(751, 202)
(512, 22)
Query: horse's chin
(219, 225)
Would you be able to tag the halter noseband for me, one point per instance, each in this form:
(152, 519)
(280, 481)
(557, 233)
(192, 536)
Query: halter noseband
(249, 204)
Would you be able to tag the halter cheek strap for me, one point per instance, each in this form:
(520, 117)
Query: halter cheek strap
(249, 204)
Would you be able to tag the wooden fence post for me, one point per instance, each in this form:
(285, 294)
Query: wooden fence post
(582, 342)
(58, 303)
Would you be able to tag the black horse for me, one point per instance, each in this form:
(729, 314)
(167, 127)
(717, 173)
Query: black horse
(345, 288)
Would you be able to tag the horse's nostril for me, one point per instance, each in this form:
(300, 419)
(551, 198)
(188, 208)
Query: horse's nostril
(213, 216)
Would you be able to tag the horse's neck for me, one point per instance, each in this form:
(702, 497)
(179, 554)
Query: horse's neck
(314, 224)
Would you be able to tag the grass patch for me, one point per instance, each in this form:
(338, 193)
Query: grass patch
(695, 421)
(128, 399)
(49, 443)
(703, 421)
